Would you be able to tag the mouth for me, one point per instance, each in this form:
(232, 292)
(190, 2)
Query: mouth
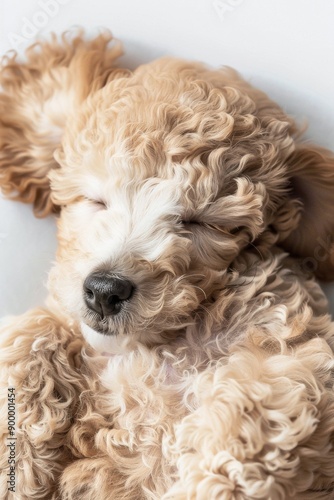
(99, 327)
(102, 341)
(105, 326)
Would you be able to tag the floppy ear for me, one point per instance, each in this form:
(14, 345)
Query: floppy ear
(37, 97)
(311, 171)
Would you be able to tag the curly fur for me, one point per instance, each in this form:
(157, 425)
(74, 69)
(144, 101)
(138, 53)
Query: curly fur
(216, 379)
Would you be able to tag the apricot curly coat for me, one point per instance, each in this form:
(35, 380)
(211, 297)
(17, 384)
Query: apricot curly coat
(215, 381)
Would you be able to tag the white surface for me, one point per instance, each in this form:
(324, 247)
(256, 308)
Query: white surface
(286, 48)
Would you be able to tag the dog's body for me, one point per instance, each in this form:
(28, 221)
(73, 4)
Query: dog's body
(190, 216)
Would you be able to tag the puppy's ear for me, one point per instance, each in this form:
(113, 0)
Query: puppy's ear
(37, 97)
(311, 171)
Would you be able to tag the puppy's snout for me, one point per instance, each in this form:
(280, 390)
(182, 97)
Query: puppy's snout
(105, 294)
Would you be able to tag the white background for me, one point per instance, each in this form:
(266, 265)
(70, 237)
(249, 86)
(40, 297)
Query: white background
(285, 47)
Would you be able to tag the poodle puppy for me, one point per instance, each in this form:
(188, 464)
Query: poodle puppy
(185, 350)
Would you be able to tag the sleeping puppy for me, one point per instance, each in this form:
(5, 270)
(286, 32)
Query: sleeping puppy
(185, 351)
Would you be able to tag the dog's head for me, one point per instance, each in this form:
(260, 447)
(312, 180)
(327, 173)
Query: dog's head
(165, 175)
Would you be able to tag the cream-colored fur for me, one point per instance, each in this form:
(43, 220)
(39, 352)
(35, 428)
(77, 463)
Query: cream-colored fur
(215, 381)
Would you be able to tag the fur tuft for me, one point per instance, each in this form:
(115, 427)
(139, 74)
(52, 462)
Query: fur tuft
(38, 94)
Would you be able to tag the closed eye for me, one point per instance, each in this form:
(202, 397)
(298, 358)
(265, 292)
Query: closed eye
(98, 204)
(187, 222)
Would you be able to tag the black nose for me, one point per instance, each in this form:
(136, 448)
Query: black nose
(105, 294)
